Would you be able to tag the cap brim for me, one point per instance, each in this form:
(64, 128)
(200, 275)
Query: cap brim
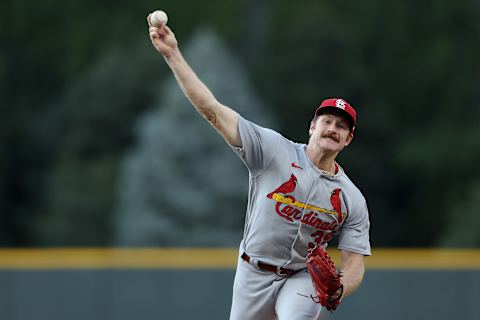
(336, 111)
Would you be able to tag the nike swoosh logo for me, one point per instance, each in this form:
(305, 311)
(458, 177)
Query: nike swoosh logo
(296, 166)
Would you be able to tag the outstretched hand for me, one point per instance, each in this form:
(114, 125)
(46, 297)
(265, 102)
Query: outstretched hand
(162, 38)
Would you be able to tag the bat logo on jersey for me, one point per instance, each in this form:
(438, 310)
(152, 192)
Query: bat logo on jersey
(290, 209)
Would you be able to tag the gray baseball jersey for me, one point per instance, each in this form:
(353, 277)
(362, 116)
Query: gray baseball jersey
(292, 204)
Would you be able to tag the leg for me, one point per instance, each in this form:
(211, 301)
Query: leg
(294, 300)
(253, 293)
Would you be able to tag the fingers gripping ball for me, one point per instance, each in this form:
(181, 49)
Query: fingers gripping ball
(325, 278)
(158, 18)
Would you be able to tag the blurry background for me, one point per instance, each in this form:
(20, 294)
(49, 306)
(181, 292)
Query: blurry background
(99, 148)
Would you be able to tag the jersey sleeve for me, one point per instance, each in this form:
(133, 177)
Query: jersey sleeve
(354, 233)
(258, 145)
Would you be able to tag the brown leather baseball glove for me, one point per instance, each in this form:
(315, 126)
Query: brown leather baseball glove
(325, 278)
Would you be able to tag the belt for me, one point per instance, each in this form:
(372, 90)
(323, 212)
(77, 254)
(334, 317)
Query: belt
(283, 272)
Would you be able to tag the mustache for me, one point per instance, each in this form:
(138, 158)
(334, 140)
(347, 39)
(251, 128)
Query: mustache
(334, 137)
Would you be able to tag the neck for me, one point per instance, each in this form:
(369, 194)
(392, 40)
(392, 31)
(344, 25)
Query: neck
(322, 160)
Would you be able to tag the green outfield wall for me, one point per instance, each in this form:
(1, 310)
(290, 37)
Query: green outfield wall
(196, 284)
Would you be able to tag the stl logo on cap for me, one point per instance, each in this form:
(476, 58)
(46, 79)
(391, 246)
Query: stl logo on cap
(340, 103)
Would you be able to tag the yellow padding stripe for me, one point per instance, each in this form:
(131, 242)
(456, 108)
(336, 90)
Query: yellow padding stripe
(216, 258)
(110, 258)
(453, 259)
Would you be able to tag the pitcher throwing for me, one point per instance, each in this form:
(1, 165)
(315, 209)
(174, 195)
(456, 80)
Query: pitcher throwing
(299, 198)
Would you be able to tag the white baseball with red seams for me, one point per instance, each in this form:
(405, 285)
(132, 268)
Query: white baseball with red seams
(292, 206)
(158, 18)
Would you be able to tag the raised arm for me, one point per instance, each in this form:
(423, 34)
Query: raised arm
(222, 118)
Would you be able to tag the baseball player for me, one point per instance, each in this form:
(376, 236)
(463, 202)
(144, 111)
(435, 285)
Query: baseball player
(299, 197)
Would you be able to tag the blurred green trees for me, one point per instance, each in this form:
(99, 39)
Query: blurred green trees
(181, 185)
(75, 76)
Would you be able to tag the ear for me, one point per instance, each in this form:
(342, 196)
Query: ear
(349, 139)
(312, 127)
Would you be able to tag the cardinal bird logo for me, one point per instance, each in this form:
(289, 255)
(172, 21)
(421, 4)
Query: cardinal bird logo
(286, 187)
(337, 204)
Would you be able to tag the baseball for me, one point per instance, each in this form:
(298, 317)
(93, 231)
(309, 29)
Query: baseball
(158, 18)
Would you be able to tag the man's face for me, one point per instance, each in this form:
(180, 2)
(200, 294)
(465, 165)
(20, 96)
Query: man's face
(330, 132)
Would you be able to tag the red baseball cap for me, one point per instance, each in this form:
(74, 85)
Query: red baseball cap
(338, 104)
